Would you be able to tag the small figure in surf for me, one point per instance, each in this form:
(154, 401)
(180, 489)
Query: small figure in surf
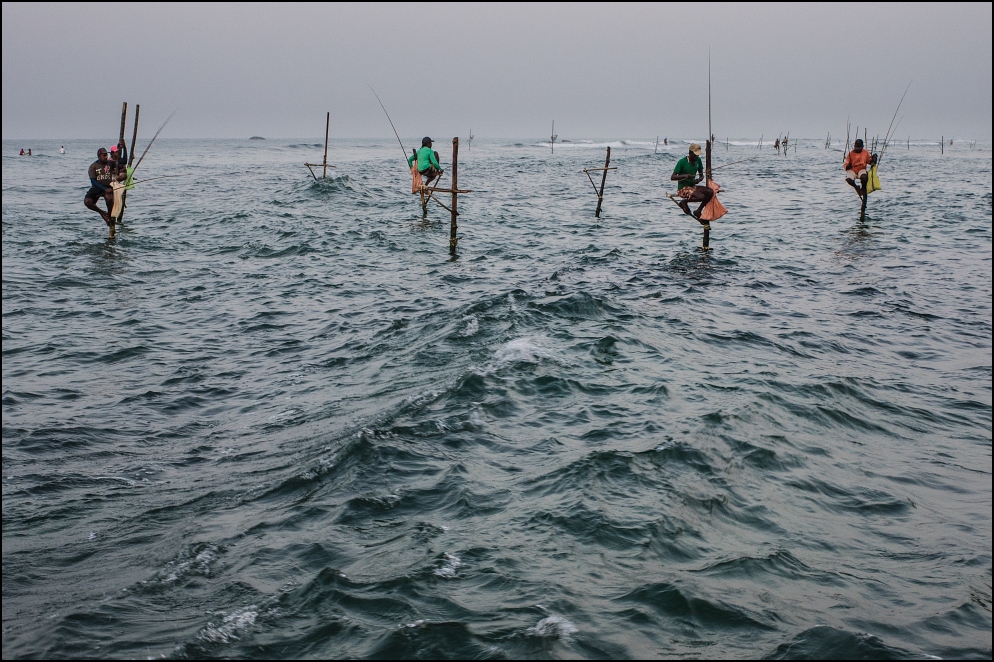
(102, 174)
(427, 161)
(62, 150)
(688, 173)
(856, 165)
(29, 151)
(22, 152)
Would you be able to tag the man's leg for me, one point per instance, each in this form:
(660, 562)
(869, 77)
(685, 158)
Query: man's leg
(863, 180)
(704, 194)
(92, 204)
(109, 200)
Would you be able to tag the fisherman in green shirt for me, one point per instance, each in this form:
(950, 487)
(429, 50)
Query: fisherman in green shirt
(427, 161)
(688, 173)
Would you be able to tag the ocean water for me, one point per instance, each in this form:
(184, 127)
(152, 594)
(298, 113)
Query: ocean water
(274, 417)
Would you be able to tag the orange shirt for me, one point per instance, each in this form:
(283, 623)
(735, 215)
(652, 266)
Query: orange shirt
(858, 160)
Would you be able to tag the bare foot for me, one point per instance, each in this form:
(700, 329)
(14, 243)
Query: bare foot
(686, 208)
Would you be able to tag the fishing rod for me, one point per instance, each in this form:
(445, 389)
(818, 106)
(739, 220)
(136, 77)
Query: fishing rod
(734, 162)
(153, 140)
(402, 148)
(151, 179)
(887, 136)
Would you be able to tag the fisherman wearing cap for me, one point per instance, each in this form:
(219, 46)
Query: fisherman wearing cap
(119, 157)
(427, 161)
(856, 164)
(101, 175)
(687, 174)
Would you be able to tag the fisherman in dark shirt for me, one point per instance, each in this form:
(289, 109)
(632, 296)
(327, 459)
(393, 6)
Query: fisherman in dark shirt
(101, 174)
(687, 184)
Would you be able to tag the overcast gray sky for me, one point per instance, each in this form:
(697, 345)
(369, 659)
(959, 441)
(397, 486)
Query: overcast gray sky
(600, 70)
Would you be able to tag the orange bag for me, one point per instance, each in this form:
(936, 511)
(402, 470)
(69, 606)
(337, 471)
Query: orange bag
(714, 209)
(416, 180)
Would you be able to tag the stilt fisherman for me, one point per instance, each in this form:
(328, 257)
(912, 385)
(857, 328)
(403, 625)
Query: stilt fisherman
(688, 173)
(427, 161)
(857, 165)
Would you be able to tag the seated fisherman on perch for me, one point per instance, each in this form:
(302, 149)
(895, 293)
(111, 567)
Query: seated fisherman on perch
(101, 174)
(427, 161)
(856, 166)
(688, 173)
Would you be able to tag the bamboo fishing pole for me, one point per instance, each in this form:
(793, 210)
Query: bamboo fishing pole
(402, 149)
(887, 136)
(153, 140)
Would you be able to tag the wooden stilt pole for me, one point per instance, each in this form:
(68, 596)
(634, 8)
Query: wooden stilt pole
(453, 225)
(707, 162)
(327, 125)
(120, 140)
(131, 158)
(134, 136)
(600, 194)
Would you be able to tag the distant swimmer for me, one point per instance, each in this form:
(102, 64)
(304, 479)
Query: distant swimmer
(427, 161)
(687, 184)
(856, 165)
(666, 141)
(29, 151)
(101, 174)
(62, 150)
(22, 152)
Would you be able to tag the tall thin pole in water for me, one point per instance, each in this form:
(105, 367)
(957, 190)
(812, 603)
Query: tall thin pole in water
(327, 125)
(120, 141)
(707, 155)
(453, 225)
(600, 194)
(131, 158)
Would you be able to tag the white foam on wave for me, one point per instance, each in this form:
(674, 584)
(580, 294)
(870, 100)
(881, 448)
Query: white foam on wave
(472, 326)
(185, 566)
(231, 623)
(527, 349)
(450, 564)
(553, 627)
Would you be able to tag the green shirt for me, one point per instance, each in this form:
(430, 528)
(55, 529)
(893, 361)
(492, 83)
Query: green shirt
(685, 167)
(426, 157)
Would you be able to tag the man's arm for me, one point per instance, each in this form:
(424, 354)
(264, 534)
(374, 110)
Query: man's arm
(92, 174)
(432, 160)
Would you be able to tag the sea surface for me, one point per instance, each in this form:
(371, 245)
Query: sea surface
(274, 417)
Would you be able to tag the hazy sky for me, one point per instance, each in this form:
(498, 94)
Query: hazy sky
(599, 70)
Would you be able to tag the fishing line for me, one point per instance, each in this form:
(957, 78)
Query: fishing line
(402, 148)
(153, 140)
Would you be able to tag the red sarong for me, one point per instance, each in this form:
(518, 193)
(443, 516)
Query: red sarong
(416, 180)
(713, 210)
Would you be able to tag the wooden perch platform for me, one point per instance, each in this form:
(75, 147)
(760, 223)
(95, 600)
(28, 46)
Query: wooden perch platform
(324, 163)
(600, 193)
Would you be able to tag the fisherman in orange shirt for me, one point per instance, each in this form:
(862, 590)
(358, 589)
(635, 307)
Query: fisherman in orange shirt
(856, 165)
